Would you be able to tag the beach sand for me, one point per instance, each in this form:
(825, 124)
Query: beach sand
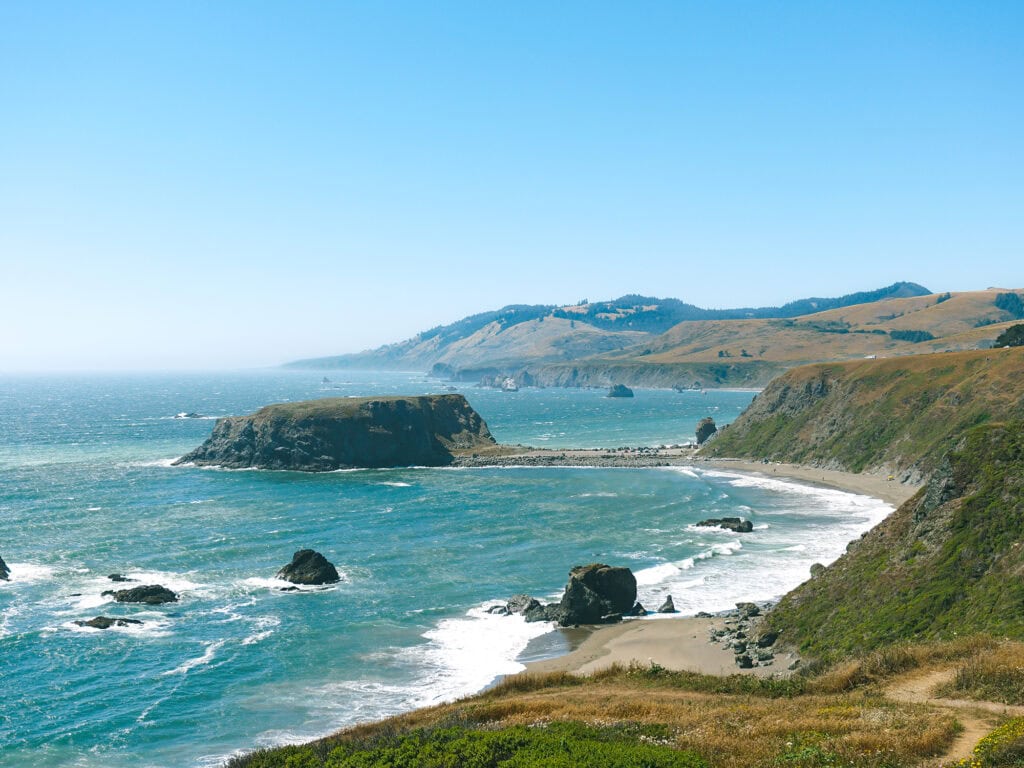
(682, 643)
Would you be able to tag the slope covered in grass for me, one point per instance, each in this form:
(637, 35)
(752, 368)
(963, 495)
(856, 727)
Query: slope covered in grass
(949, 562)
(898, 415)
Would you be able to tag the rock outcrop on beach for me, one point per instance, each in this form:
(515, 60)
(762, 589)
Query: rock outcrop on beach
(335, 433)
(5, 572)
(668, 606)
(309, 567)
(620, 390)
(105, 622)
(736, 524)
(596, 594)
(150, 594)
(705, 429)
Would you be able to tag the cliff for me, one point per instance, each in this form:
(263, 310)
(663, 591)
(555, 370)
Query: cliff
(335, 433)
(947, 563)
(898, 416)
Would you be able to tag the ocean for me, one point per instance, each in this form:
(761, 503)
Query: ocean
(87, 490)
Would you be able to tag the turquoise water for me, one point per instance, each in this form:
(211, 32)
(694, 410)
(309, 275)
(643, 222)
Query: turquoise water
(86, 490)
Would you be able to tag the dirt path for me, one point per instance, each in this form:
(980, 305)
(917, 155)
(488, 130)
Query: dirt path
(977, 717)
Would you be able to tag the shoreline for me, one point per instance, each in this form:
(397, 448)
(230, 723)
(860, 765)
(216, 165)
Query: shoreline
(683, 643)
(865, 484)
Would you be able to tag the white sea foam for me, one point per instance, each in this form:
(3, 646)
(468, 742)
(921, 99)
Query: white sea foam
(260, 582)
(199, 661)
(28, 573)
(264, 626)
(395, 484)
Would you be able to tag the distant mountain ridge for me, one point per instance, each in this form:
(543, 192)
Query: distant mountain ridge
(630, 314)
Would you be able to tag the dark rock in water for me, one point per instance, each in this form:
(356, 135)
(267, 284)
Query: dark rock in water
(5, 572)
(118, 577)
(620, 390)
(333, 433)
(747, 610)
(288, 589)
(309, 567)
(521, 604)
(498, 610)
(184, 415)
(705, 429)
(611, 618)
(150, 594)
(668, 606)
(704, 615)
(104, 622)
(729, 523)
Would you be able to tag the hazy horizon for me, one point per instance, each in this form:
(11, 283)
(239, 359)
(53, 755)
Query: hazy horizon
(242, 185)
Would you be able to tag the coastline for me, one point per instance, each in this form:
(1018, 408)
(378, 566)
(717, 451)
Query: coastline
(683, 644)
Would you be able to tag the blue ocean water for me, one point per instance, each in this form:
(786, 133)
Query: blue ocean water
(86, 490)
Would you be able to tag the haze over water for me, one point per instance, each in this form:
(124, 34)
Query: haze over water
(86, 490)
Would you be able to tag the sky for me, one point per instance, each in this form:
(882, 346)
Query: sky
(190, 185)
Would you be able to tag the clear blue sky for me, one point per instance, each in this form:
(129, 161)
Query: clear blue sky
(231, 184)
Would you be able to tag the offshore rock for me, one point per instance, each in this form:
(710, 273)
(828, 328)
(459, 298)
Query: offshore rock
(346, 432)
(728, 523)
(620, 390)
(5, 572)
(150, 594)
(118, 577)
(105, 622)
(309, 567)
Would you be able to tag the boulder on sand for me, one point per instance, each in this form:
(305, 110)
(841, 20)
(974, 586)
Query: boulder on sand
(596, 594)
(309, 567)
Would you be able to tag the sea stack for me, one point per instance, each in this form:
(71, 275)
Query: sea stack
(347, 432)
(620, 390)
(309, 567)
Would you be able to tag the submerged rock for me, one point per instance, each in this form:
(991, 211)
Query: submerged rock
(105, 622)
(309, 567)
(150, 594)
(736, 524)
(340, 432)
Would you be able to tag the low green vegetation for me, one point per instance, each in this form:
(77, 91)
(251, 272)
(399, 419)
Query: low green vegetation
(1003, 748)
(545, 745)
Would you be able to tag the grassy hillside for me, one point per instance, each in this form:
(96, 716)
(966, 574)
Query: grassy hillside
(897, 415)
(949, 562)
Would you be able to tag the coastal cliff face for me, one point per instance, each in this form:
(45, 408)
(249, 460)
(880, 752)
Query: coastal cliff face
(898, 415)
(336, 433)
(947, 563)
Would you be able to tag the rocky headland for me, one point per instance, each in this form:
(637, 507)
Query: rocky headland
(338, 433)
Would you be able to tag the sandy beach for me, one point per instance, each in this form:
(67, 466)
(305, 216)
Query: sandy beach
(682, 643)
